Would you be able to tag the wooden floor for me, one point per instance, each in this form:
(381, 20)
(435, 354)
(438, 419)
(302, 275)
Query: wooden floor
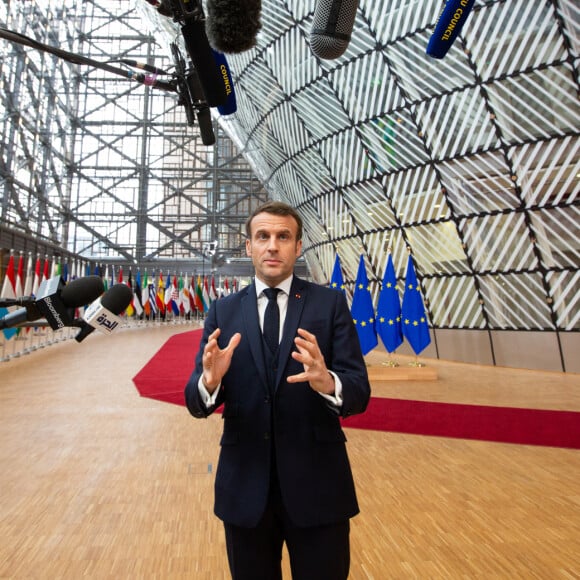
(97, 482)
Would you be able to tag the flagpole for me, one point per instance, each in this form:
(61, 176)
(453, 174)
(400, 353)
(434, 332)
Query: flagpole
(391, 362)
(415, 363)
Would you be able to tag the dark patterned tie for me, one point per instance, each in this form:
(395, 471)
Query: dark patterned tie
(272, 319)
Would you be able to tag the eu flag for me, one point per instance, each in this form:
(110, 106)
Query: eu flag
(362, 311)
(389, 310)
(415, 327)
(337, 281)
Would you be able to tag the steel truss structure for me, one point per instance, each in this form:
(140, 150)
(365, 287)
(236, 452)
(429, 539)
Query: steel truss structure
(103, 167)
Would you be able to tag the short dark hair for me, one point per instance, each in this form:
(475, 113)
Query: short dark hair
(276, 208)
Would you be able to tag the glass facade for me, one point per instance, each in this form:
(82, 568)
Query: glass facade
(470, 162)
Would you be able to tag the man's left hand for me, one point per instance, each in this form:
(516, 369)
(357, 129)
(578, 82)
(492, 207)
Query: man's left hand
(315, 371)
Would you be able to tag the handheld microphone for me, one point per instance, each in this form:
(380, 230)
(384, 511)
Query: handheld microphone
(231, 105)
(332, 27)
(199, 109)
(102, 313)
(143, 66)
(56, 301)
(232, 25)
(448, 26)
(19, 317)
(204, 63)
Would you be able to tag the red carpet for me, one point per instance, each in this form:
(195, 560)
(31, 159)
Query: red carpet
(164, 377)
(502, 424)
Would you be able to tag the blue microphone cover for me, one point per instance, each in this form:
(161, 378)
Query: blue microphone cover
(231, 105)
(448, 26)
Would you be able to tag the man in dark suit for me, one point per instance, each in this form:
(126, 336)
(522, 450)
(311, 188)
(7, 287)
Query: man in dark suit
(283, 473)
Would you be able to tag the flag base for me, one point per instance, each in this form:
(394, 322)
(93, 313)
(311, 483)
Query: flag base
(380, 372)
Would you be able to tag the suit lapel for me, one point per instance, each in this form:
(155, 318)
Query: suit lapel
(252, 330)
(296, 301)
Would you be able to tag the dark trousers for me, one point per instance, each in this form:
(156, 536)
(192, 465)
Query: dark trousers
(317, 553)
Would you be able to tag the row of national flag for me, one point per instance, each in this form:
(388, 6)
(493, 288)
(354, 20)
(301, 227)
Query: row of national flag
(393, 322)
(158, 295)
(172, 294)
(23, 278)
(152, 295)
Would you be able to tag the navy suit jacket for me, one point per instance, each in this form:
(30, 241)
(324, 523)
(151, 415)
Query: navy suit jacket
(313, 469)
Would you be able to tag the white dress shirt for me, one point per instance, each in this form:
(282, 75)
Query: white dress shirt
(284, 286)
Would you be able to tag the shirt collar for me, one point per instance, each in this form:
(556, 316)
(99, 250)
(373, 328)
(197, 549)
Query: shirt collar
(284, 285)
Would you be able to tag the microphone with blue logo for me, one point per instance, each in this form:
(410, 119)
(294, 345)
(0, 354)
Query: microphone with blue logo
(449, 26)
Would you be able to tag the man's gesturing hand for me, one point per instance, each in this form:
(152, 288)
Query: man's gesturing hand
(315, 371)
(217, 361)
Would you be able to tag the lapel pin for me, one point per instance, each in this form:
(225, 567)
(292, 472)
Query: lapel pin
(297, 296)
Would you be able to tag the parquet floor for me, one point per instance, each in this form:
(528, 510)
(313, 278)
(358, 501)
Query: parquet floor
(97, 482)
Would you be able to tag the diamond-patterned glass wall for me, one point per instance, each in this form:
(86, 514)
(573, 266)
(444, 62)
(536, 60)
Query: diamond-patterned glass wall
(470, 162)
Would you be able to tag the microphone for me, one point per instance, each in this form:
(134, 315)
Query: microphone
(202, 56)
(205, 126)
(196, 106)
(232, 25)
(56, 301)
(231, 105)
(20, 316)
(448, 26)
(143, 66)
(332, 27)
(102, 313)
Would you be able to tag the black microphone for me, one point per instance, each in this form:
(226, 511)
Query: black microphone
(195, 105)
(332, 27)
(102, 313)
(232, 25)
(56, 301)
(20, 316)
(201, 55)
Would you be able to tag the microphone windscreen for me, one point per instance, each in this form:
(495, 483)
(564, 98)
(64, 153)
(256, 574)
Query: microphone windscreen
(204, 63)
(332, 27)
(231, 105)
(117, 298)
(232, 25)
(448, 26)
(82, 291)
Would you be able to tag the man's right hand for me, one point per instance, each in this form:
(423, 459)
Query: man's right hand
(216, 361)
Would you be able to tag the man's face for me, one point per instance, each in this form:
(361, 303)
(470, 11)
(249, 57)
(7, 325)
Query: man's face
(273, 247)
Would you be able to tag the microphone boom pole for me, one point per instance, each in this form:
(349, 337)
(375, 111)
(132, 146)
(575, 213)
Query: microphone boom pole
(78, 59)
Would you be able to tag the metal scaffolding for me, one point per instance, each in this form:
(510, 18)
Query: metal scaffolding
(102, 167)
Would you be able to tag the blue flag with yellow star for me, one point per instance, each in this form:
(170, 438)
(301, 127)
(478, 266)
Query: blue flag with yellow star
(389, 310)
(336, 280)
(415, 328)
(362, 311)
